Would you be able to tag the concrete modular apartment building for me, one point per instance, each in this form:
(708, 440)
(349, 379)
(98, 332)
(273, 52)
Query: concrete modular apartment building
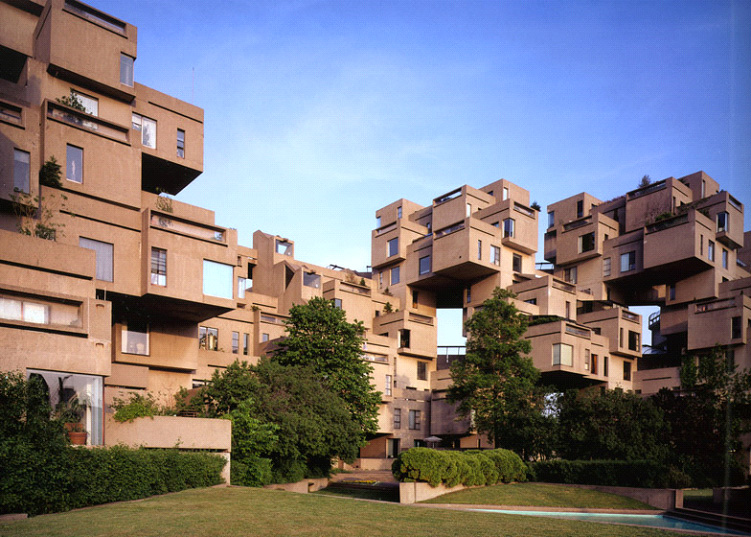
(139, 292)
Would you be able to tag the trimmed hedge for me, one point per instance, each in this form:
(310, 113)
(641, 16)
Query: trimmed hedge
(645, 474)
(452, 468)
(37, 481)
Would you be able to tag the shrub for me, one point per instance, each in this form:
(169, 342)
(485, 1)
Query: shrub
(138, 406)
(647, 474)
(470, 468)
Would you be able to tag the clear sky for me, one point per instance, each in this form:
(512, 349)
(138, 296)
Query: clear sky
(318, 113)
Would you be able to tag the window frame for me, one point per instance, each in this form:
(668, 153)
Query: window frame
(395, 275)
(415, 422)
(158, 266)
(516, 263)
(73, 156)
(424, 265)
(106, 271)
(630, 258)
(180, 143)
(422, 370)
(559, 355)
(509, 228)
(127, 68)
(18, 170)
(397, 418)
(392, 247)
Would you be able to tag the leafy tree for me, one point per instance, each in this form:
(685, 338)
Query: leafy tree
(287, 414)
(495, 382)
(609, 424)
(645, 181)
(319, 336)
(706, 420)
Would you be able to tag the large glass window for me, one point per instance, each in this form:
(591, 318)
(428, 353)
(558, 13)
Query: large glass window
(311, 279)
(75, 397)
(425, 264)
(126, 69)
(90, 104)
(563, 354)
(235, 342)
(723, 222)
(626, 370)
(404, 336)
(495, 255)
(208, 338)
(395, 275)
(158, 267)
(392, 247)
(217, 279)
(21, 170)
(414, 420)
(516, 263)
(104, 257)
(422, 371)
(17, 309)
(606, 267)
(147, 127)
(570, 274)
(135, 338)
(633, 340)
(74, 164)
(508, 227)
(587, 242)
(397, 418)
(628, 261)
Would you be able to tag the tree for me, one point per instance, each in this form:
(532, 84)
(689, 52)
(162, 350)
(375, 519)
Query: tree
(707, 419)
(495, 382)
(319, 336)
(645, 181)
(609, 424)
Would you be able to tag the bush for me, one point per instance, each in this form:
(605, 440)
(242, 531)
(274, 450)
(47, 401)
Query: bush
(41, 481)
(470, 468)
(251, 472)
(646, 474)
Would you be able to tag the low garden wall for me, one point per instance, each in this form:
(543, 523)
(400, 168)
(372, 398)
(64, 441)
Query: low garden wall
(303, 487)
(660, 498)
(420, 491)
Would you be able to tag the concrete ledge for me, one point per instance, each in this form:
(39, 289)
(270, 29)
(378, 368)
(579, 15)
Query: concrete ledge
(420, 491)
(660, 498)
(302, 487)
(372, 464)
(13, 517)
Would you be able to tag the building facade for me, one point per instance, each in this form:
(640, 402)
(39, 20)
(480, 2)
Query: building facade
(114, 287)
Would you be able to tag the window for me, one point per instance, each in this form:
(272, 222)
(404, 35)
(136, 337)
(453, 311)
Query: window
(235, 342)
(422, 371)
(378, 222)
(563, 354)
(628, 261)
(397, 418)
(626, 370)
(505, 193)
(671, 291)
(264, 338)
(605, 366)
(246, 344)
(469, 209)
(724, 258)
(399, 212)
(723, 222)
(568, 309)
(104, 257)
(701, 244)
(593, 364)
(74, 164)
(570, 274)
(404, 338)
(551, 218)
(283, 247)
(516, 263)
(495, 255)
(425, 264)
(479, 249)
(606, 267)
(243, 286)
(311, 279)
(180, 143)
(395, 275)
(24, 310)
(392, 247)
(710, 250)
(148, 130)
(217, 279)
(532, 301)
(580, 208)
(389, 382)
(586, 358)
(90, 104)
(95, 16)
(415, 297)
(469, 294)
(735, 328)
(158, 267)
(633, 340)
(587, 242)
(508, 227)
(208, 338)
(126, 69)
(21, 170)
(414, 420)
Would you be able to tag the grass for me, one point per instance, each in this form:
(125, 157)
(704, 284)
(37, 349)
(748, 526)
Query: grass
(540, 495)
(225, 512)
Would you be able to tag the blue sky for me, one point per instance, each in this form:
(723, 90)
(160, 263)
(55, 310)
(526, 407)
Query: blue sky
(318, 113)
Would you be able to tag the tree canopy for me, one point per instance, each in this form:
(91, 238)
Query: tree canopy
(319, 337)
(495, 383)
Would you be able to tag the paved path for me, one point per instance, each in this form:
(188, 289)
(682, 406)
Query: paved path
(382, 476)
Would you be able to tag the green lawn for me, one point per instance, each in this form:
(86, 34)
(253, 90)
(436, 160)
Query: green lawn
(540, 495)
(230, 512)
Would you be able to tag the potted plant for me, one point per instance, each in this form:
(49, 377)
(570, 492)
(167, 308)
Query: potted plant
(71, 413)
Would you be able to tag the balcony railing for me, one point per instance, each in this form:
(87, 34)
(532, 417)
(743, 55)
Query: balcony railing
(718, 305)
(417, 318)
(386, 228)
(667, 223)
(578, 223)
(579, 332)
(447, 197)
(87, 122)
(564, 287)
(186, 228)
(526, 211)
(656, 187)
(629, 316)
(448, 230)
